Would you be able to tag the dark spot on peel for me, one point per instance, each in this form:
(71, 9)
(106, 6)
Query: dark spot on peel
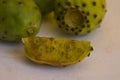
(80, 30)
(3, 19)
(77, 6)
(88, 54)
(63, 23)
(4, 2)
(103, 6)
(83, 5)
(99, 21)
(85, 17)
(94, 3)
(88, 31)
(76, 33)
(68, 3)
(76, 27)
(72, 29)
(62, 17)
(20, 3)
(88, 21)
(91, 49)
(88, 25)
(58, 4)
(95, 15)
(66, 29)
(58, 18)
(83, 12)
(83, 26)
(67, 25)
(3, 37)
(60, 26)
(88, 13)
(5, 32)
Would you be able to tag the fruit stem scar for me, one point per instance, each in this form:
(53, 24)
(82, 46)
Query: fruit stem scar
(73, 18)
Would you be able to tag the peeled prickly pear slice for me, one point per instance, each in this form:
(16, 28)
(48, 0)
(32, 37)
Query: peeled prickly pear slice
(56, 51)
(18, 18)
(46, 6)
(79, 17)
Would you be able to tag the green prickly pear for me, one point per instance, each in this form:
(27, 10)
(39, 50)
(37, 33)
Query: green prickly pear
(18, 18)
(79, 17)
(45, 6)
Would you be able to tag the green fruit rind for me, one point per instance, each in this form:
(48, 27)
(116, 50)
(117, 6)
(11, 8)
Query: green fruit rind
(79, 17)
(46, 6)
(56, 51)
(18, 18)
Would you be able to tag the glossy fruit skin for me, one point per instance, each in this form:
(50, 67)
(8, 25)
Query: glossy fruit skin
(46, 6)
(56, 51)
(79, 17)
(18, 18)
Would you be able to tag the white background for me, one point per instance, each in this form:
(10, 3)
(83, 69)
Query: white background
(103, 64)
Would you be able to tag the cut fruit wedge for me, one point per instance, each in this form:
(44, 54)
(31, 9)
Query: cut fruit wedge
(56, 51)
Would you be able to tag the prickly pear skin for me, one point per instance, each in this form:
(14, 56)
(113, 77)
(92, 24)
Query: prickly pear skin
(79, 17)
(46, 6)
(18, 18)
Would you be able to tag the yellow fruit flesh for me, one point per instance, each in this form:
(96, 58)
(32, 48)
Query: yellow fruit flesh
(56, 51)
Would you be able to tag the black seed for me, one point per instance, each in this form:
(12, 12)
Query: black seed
(61, 12)
(76, 6)
(63, 23)
(88, 31)
(62, 17)
(83, 12)
(67, 25)
(76, 27)
(83, 5)
(91, 49)
(58, 18)
(103, 6)
(65, 9)
(85, 17)
(87, 21)
(66, 29)
(88, 54)
(72, 29)
(88, 13)
(68, 3)
(95, 15)
(58, 4)
(88, 25)
(60, 26)
(80, 30)
(83, 26)
(94, 3)
(76, 33)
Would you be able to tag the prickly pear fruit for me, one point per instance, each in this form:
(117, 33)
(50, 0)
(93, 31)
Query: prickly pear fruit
(18, 18)
(79, 17)
(56, 51)
(46, 6)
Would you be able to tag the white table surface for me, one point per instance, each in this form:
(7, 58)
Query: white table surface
(103, 64)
